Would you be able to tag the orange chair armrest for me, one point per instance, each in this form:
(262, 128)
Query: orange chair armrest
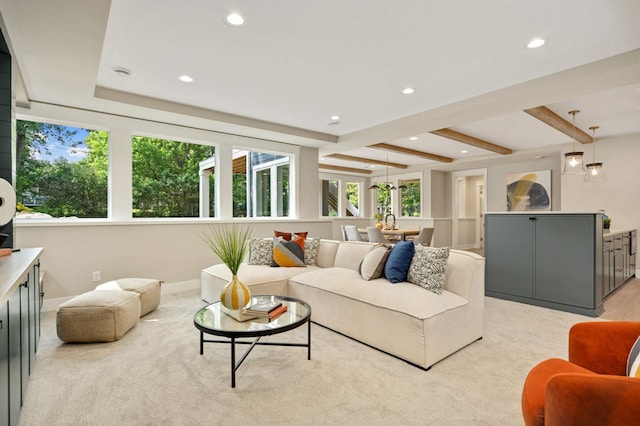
(603, 347)
(581, 399)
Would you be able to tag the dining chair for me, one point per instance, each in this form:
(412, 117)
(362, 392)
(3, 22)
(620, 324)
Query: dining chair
(352, 233)
(424, 237)
(375, 235)
(344, 233)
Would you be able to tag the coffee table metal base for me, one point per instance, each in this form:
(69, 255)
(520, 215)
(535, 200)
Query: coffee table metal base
(233, 341)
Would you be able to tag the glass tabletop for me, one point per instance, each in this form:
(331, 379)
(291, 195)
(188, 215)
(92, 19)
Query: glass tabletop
(213, 320)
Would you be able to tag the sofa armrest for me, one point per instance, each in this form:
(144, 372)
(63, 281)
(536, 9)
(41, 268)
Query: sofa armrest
(603, 347)
(584, 399)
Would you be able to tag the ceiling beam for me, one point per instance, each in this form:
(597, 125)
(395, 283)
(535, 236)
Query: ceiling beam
(344, 169)
(473, 141)
(549, 117)
(414, 152)
(368, 161)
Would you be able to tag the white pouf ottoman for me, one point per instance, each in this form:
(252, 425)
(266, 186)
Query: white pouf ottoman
(98, 316)
(147, 288)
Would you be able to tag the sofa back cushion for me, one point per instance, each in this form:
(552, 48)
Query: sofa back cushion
(351, 253)
(464, 270)
(327, 253)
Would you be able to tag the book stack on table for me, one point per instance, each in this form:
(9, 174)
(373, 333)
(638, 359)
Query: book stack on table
(265, 308)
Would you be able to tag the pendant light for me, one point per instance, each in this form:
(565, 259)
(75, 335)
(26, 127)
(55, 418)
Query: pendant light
(573, 163)
(387, 185)
(594, 170)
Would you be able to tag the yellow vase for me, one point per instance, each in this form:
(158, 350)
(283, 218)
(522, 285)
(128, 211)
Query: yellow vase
(235, 295)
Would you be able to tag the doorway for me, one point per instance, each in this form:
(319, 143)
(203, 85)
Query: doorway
(468, 207)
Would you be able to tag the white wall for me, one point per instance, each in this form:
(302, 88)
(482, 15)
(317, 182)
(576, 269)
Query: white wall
(619, 196)
(170, 250)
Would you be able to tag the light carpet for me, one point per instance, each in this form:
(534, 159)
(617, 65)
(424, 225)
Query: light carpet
(155, 375)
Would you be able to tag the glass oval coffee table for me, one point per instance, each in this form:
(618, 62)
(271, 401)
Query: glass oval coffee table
(212, 319)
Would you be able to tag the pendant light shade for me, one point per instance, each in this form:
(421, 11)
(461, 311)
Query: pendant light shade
(595, 173)
(573, 161)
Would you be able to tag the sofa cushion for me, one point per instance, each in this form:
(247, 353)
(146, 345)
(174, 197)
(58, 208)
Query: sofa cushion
(372, 265)
(429, 267)
(350, 254)
(287, 253)
(403, 297)
(633, 362)
(398, 262)
(327, 253)
(260, 251)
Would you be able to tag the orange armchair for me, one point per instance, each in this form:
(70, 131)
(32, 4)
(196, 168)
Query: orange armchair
(592, 387)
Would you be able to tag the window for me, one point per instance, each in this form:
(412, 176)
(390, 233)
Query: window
(166, 177)
(267, 174)
(383, 201)
(353, 194)
(329, 203)
(410, 198)
(62, 171)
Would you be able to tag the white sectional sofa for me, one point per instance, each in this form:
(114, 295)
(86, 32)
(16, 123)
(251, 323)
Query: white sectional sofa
(402, 319)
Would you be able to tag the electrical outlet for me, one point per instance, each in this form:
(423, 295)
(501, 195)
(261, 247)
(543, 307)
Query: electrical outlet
(96, 276)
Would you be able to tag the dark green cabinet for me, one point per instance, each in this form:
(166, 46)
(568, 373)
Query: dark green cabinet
(4, 363)
(20, 304)
(545, 259)
(15, 359)
(619, 259)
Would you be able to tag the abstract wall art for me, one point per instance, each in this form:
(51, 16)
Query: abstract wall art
(529, 191)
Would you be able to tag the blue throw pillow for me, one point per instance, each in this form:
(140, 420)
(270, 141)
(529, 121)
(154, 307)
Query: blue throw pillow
(398, 262)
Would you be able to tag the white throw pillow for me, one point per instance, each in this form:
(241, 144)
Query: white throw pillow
(633, 362)
(372, 265)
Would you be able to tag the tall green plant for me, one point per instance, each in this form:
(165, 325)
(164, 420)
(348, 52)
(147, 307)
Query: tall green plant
(229, 243)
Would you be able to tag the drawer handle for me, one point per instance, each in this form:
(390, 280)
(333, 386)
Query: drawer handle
(1, 325)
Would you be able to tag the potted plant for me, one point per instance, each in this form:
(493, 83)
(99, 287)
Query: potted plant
(606, 222)
(230, 244)
(378, 217)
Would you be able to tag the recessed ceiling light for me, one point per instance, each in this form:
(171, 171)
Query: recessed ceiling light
(413, 138)
(121, 72)
(464, 151)
(234, 19)
(335, 117)
(408, 90)
(185, 78)
(536, 42)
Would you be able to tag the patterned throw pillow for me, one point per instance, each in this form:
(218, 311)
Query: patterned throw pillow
(287, 253)
(372, 266)
(311, 251)
(260, 251)
(429, 267)
(633, 362)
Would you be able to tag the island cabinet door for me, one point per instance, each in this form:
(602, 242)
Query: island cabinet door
(508, 253)
(565, 259)
(4, 365)
(15, 360)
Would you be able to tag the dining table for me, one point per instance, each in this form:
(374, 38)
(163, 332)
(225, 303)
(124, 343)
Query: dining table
(397, 234)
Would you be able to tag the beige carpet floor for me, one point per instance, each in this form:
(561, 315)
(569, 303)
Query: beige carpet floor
(155, 375)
